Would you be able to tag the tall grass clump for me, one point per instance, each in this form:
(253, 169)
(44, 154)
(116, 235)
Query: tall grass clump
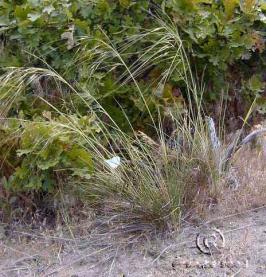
(155, 179)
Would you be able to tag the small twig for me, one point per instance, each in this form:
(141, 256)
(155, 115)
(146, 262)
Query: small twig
(112, 264)
(252, 136)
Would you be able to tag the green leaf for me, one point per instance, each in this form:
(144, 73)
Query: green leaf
(263, 6)
(125, 3)
(82, 173)
(34, 183)
(21, 152)
(22, 172)
(21, 12)
(255, 84)
(80, 158)
(230, 6)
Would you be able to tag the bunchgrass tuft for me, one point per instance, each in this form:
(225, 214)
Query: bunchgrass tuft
(158, 179)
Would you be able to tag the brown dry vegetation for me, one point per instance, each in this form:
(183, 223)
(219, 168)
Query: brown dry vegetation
(249, 169)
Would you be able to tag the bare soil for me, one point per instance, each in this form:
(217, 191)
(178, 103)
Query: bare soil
(244, 253)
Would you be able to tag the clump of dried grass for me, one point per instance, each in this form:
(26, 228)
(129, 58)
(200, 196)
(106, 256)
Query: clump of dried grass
(249, 169)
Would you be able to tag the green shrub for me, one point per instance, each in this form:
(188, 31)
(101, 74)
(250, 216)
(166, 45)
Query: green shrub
(34, 154)
(224, 39)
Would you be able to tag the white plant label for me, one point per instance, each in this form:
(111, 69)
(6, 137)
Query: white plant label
(114, 162)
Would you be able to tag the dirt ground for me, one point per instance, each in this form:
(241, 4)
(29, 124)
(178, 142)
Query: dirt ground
(240, 219)
(244, 253)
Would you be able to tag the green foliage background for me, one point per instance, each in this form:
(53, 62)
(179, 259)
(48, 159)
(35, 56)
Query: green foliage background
(218, 34)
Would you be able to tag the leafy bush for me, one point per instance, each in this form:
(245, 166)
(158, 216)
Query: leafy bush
(43, 149)
(221, 36)
(225, 40)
